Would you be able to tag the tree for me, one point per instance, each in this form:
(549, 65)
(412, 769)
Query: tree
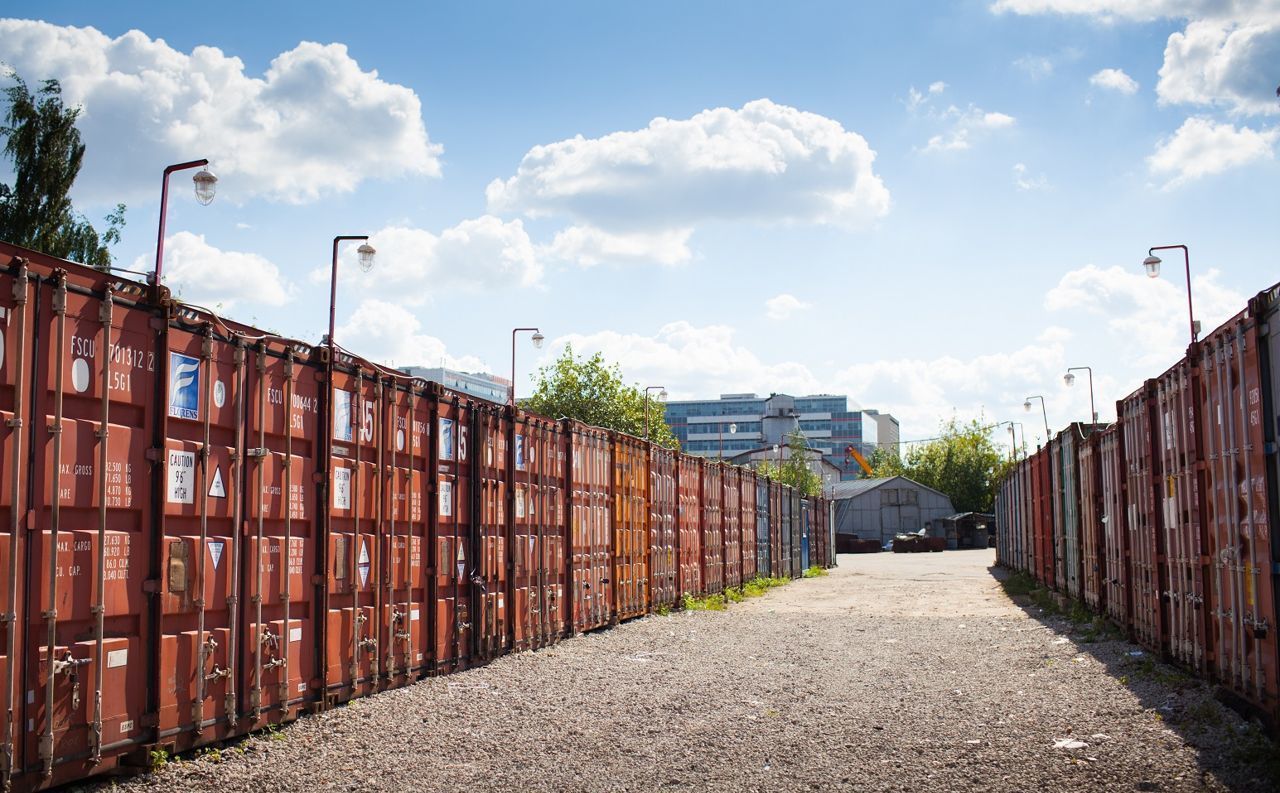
(962, 462)
(794, 470)
(592, 391)
(42, 141)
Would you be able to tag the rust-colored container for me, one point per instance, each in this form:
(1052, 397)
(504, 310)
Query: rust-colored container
(591, 534)
(747, 497)
(733, 522)
(780, 530)
(712, 528)
(1143, 488)
(795, 524)
(1185, 563)
(1042, 517)
(764, 520)
(664, 566)
(689, 523)
(1118, 593)
(1091, 527)
(1026, 517)
(1240, 370)
(1058, 501)
(541, 525)
(630, 496)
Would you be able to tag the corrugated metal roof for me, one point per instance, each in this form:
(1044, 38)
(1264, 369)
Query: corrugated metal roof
(857, 487)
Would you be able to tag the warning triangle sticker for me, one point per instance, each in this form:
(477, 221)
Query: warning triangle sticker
(215, 550)
(216, 489)
(362, 562)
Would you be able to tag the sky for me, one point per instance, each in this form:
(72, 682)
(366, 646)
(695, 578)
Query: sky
(935, 208)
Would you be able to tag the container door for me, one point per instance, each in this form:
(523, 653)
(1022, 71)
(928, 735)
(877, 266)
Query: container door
(453, 547)
(405, 641)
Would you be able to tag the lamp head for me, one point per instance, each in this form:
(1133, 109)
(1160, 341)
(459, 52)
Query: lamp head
(733, 428)
(1027, 406)
(662, 395)
(206, 185)
(1069, 379)
(366, 253)
(1152, 263)
(538, 338)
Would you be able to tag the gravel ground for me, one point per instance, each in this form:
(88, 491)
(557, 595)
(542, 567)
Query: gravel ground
(895, 672)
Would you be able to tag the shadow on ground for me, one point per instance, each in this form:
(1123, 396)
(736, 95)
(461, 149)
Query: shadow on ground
(1232, 744)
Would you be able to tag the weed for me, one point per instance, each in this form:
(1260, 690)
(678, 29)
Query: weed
(1019, 584)
(212, 754)
(159, 758)
(815, 572)
(663, 610)
(708, 603)
(734, 594)
(1147, 668)
(1253, 748)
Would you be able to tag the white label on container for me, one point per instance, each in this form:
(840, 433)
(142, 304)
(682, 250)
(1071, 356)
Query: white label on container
(419, 656)
(414, 614)
(216, 488)
(117, 658)
(302, 687)
(31, 696)
(219, 393)
(215, 551)
(342, 488)
(182, 474)
(295, 634)
(362, 563)
(446, 498)
(519, 502)
(126, 727)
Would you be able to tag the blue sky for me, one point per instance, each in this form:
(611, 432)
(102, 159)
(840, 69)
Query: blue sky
(932, 207)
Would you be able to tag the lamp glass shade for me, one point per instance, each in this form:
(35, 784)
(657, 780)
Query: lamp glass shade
(206, 186)
(1027, 406)
(733, 428)
(662, 395)
(1069, 379)
(1152, 263)
(366, 253)
(538, 338)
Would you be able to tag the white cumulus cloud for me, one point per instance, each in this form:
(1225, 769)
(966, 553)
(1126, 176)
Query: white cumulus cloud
(966, 126)
(783, 306)
(1202, 147)
(1024, 180)
(1114, 80)
(314, 123)
(590, 246)
(391, 335)
(414, 265)
(763, 162)
(199, 273)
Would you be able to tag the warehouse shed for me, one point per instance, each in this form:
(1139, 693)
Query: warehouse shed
(877, 509)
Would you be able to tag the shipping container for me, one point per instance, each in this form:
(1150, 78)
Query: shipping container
(1144, 518)
(664, 505)
(712, 528)
(750, 523)
(1118, 594)
(540, 546)
(764, 523)
(732, 525)
(689, 521)
(795, 521)
(1240, 371)
(630, 496)
(1092, 538)
(591, 535)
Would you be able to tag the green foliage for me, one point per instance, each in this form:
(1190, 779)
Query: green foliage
(159, 758)
(35, 212)
(592, 391)
(962, 462)
(816, 572)
(794, 470)
(708, 603)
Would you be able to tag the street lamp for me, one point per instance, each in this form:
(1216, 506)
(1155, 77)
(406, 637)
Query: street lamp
(733, 428)
(1013, 437)
(1027, 406)
(1152, 263)
(537, 340)
(366, 253)
(206, 186)
(1070, 380)
(662, 397)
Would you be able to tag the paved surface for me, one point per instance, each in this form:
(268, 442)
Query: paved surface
(895, 672)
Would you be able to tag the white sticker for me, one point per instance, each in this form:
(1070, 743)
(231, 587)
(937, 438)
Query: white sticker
(362, 563)
(117, 658)
(295, 634)
(342, 424)
(519, 500)
(413, 614)
(419, 656)
(80, 375)
(31, 696)
(446, 498)
(219, 393)
(215, 551)
(216, 490)
(399, 440)
(302, 687)
(182, 470)
(342, 488)
(126, 727)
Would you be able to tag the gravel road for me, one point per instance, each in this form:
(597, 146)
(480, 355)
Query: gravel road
(895, 672)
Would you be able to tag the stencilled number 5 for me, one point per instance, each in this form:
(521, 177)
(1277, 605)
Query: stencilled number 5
(366, 424)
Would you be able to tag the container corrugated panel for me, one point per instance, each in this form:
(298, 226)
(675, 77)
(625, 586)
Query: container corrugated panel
(1115, 522)
(630, 498)
(490, 531)
(712, 528)
(795, 519)
(1041, 517)
(764, 506)
(90, 664)
(539, 599)
(1240, 370)
(1177, 446)
(779, 531)
(664, 564)
(1056, 495)
(1091, 527)
(1026, 510)
(732, 526)
(591, 537)
(16, 323)
(689, 520)
(1144, 516)
(748, 490)
(806, 526)
(1069, 517)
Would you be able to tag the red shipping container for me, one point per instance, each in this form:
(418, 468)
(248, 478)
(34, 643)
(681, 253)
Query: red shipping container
(712, 528)
(1092, 536)
(630, 496)
(750, 519)
(664, 506)
(1118, 594)
(732, 525)
(541, 524)
(1144, 516)
(591, 535)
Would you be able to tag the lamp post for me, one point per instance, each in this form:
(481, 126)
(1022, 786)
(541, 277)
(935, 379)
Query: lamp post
(206, 186)
(366, 252)
(1070, 380)
(1013, 437)
(537, 345)
(1027, 407)
(1152, 263)
(662, 397)
(733, 428)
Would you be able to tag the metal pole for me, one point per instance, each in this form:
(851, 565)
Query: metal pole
(1043, 413)
(333, 281)
(1186, 257)
(514, 331)
(647, 389)
(1093, 412)
(164, 207)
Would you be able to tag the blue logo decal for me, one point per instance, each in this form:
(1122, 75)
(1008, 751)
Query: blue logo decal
(184, 386)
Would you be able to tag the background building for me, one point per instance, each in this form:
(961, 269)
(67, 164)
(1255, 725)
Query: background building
(477, 384)
(739, 423)
(877, 509)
